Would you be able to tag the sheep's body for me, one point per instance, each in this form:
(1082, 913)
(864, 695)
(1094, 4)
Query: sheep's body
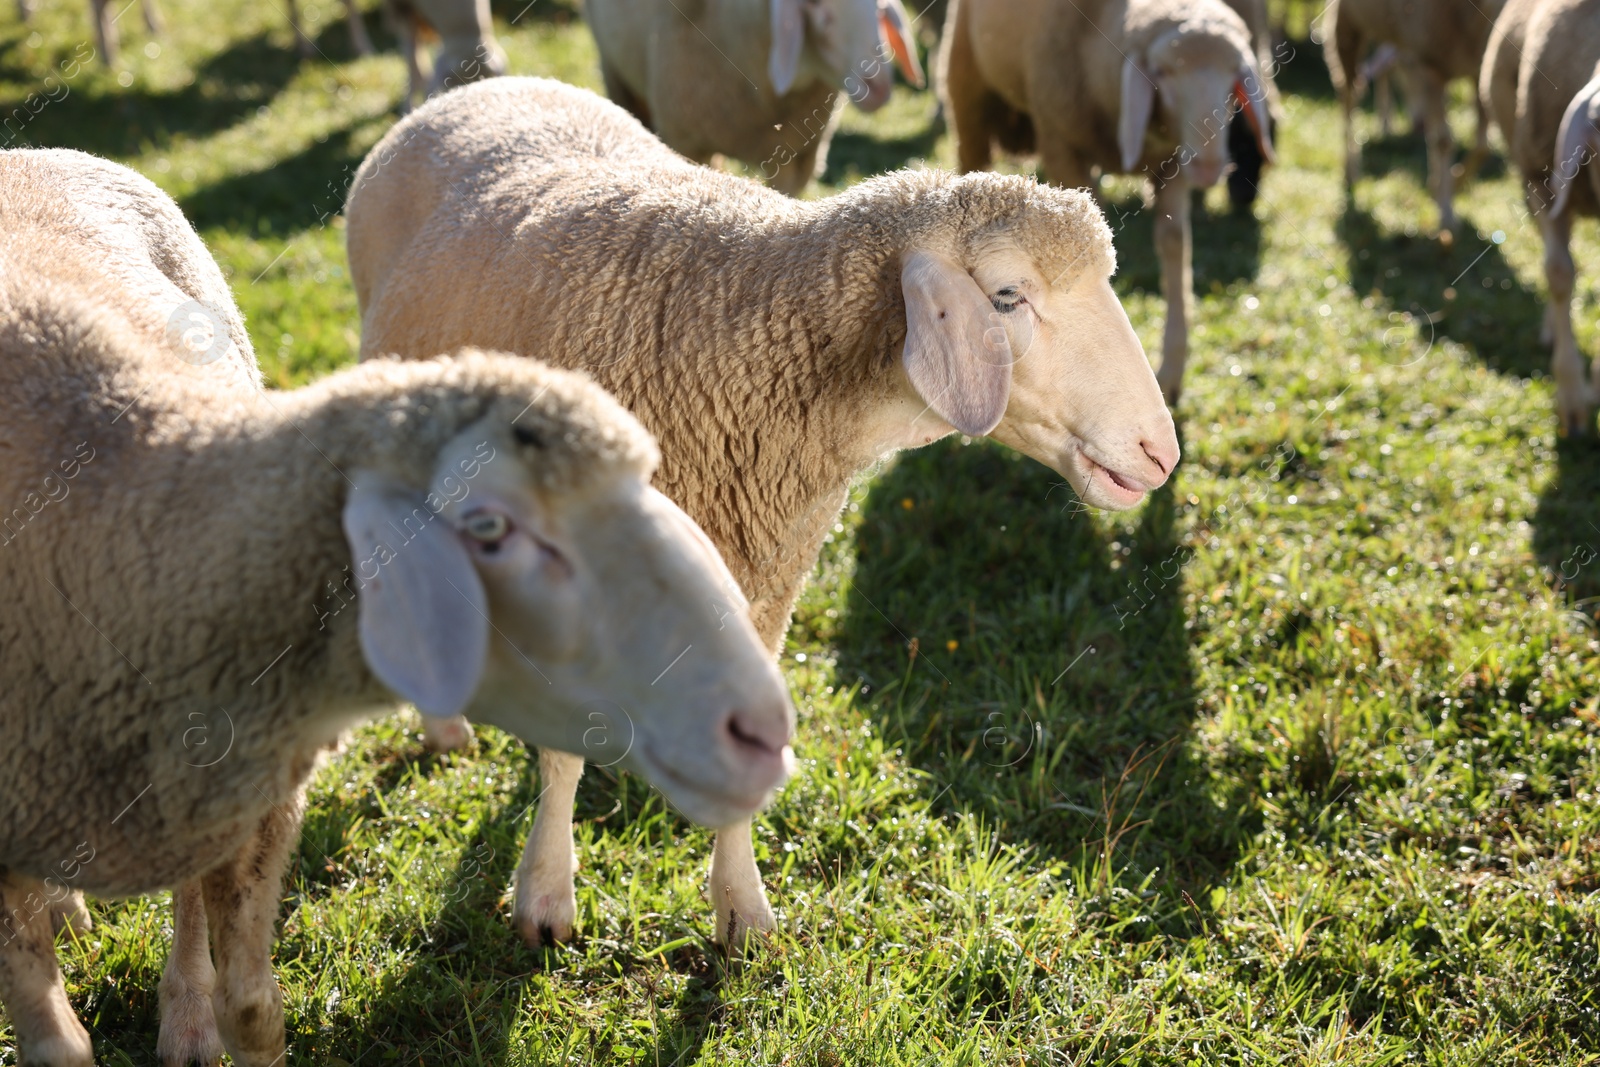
(1060, 89)
(1438, 41)
(757, 334)
(699, 73)
(176, 654)
(1542, 56)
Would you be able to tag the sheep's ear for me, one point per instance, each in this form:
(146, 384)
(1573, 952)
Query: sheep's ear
(1577, 143)
(957, 354)
(788, 35)
(895, 29)
(1252, 98)
(1138, 101)
(424, 616)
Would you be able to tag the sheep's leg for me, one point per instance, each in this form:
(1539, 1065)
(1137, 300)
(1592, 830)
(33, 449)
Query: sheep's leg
(241, 903)
(188, 1024)
(1383, 93)
(1175, 250)
(48, 1033)
(152, 15)
(446, 735)
(965, 92)
(411, 48)
(70, 912)
(1062, 166)
(545, 905)
(737, 894)
(105, 31)
(1352, 151)
(1441, 147)
(793, 176)
(302, 40)
(1573, 398)
(1467, 169)
(359, 40)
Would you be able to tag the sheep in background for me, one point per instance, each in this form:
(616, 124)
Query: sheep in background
(105, 24)
(185, 549)
(1438, 41)
(1541, 77)
(755, 80)
(1244, 178)
(778, 348)
(467, 49)
(1166, 75)
(359, 40)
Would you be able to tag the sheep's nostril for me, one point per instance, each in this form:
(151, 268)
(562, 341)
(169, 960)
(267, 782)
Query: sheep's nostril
(748, 736)
(1164, 462)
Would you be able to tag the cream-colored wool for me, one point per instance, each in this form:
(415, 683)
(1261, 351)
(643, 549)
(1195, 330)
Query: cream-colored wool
(1438, 41)
(701, 74)
(176, 652)
(758, 337)
(1542, 55)
(1065, 80)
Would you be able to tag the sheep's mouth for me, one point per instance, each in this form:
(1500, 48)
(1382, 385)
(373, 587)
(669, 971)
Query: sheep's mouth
(1120, 490)
(709, 807)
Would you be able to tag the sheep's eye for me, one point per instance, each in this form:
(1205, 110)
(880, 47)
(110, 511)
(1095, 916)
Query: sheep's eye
(488, 528)
(1008, 299)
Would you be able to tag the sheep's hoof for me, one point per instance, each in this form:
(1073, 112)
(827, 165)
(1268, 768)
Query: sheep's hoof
(189, 1033)
(739, 930)
(446, 735)
(72, 913)
(545, 918)
(60, 1050)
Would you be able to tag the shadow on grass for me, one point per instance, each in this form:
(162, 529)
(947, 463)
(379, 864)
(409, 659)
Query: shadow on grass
(1467, 293)
(1048, 662)
(1566, 523)
(298, 192)
(864, 155)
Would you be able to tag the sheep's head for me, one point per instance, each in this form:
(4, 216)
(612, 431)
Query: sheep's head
(540, 584)
(845, 43)
(1017, 334)
(1197, 77)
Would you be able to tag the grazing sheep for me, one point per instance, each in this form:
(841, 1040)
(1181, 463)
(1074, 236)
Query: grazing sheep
(755, 80)
(352, 14)
(1165, 75)
(1437, 41)
(776, 347)
(180, 550)
(467, 51)
(1541, 77)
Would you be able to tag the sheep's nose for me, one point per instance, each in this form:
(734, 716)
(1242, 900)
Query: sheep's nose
(757, 745)
(1163, 455)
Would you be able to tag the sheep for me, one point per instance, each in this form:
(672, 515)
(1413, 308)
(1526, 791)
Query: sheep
(1244, 178)
(359, 39)
(1541, 77)
(1164, 74)
(756, 336)
(1437, 41)
(105, 24)
(189, 557)
(755, 80)
(468, 50)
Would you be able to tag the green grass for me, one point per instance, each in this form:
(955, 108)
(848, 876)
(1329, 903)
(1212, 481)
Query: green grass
(1296, 763)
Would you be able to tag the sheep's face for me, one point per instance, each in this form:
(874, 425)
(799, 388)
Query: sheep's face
(1195, 81)
(607, 626)
(848, 44)
(1084, 400)
(1049, 366)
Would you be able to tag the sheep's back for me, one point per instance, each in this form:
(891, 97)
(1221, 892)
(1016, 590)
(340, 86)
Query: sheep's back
(1560, 54)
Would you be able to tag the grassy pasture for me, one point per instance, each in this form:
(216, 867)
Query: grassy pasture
(1295, 763)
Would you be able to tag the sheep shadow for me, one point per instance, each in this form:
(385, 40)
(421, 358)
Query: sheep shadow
(1566, 524)
(1467, 292)
(99, 117)
(1033, 667)
(296, 193)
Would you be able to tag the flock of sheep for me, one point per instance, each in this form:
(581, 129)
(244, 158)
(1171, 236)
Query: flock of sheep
(554, 552)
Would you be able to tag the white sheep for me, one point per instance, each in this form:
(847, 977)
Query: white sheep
(762, 81)
(1166, 75)
(209, 583)
(1541, 78)
(777, 348)
(1436, 41)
